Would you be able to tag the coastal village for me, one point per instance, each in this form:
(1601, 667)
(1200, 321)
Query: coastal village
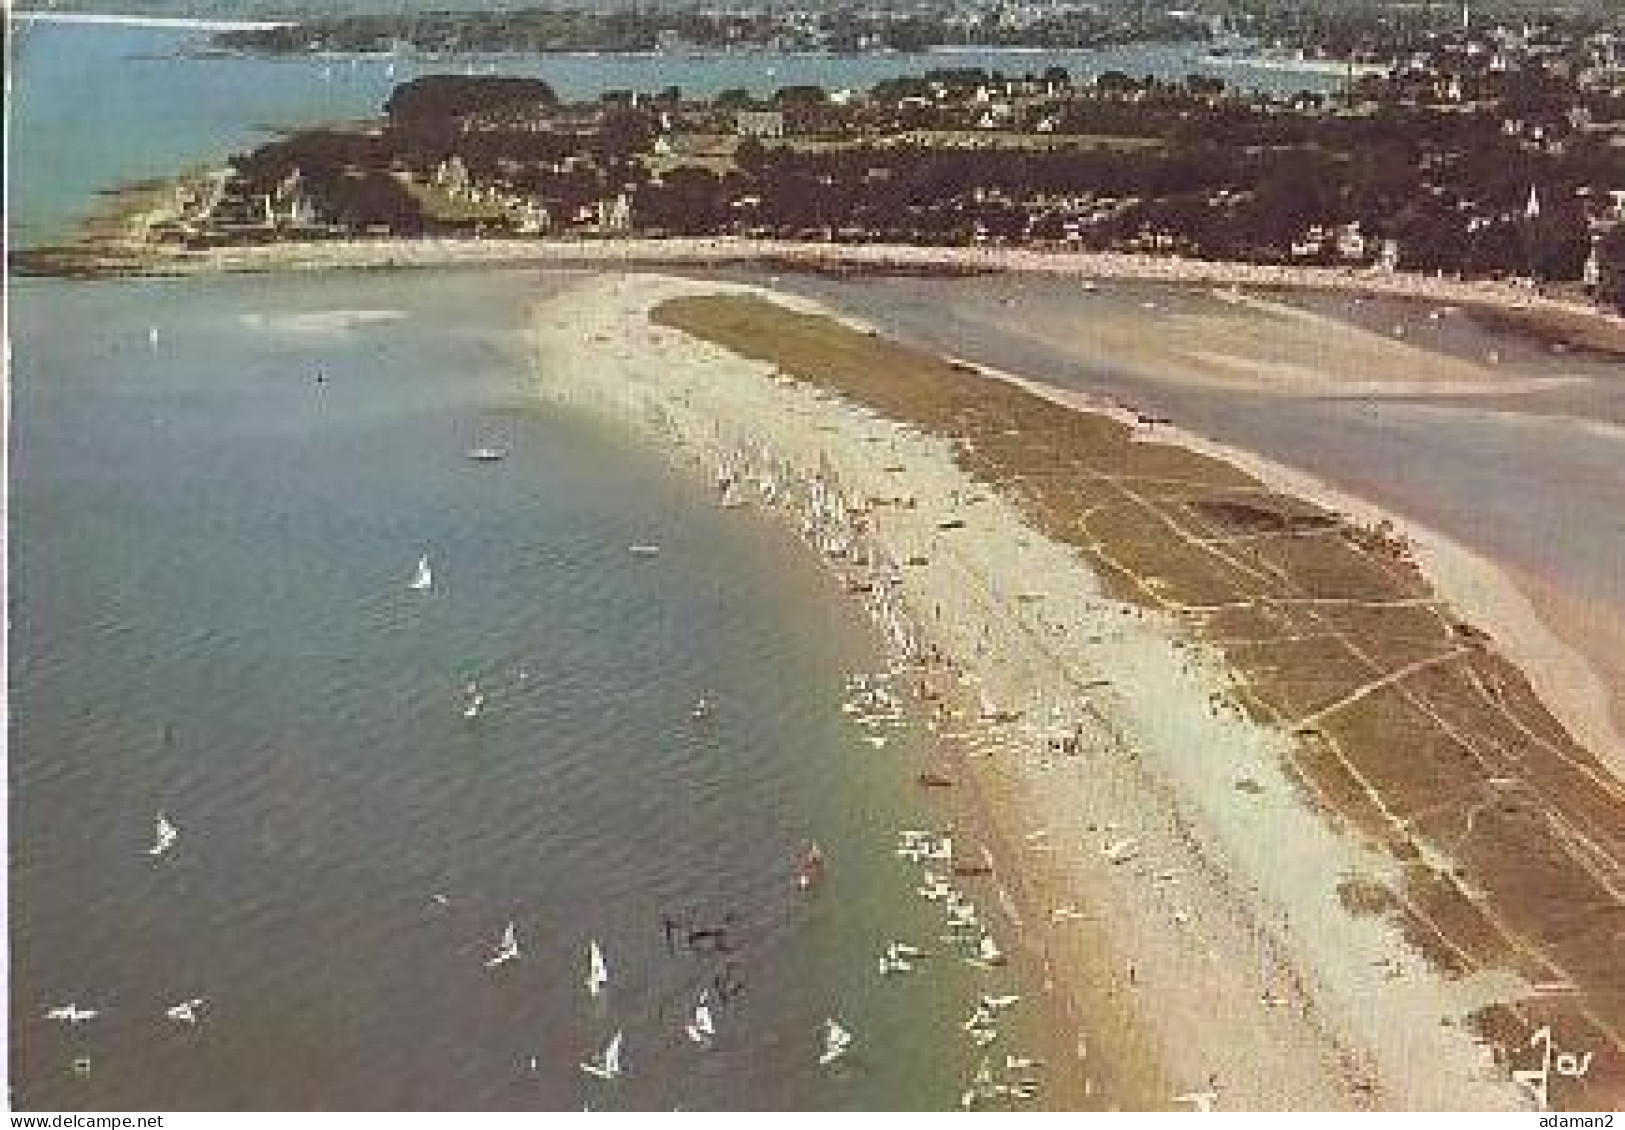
(1485, 152)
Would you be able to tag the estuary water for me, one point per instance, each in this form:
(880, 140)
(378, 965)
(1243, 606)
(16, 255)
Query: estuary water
(220, 493)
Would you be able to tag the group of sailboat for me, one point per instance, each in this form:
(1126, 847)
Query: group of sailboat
(607, 1063)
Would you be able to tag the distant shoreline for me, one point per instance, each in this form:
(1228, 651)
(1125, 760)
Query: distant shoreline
(1554, 318)
(115, 19)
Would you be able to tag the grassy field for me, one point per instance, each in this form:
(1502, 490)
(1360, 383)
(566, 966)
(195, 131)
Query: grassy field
(1410, 731)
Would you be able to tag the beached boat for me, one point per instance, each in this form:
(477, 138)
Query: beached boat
(836, 1041)
(607, 1064)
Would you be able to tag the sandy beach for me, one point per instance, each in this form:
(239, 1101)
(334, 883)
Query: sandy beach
(1195, 921)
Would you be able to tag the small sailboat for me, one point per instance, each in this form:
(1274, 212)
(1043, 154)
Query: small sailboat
(988, 952)
(185, 1012)
(166, 836)
(423, 577)
(507, 949)
(474, 699)
(597, 975)
(981, 1018)
(608, 1064)
(893, 962)
(810, 870)
(71, 1013)
(701, 1029)
(836, 1041)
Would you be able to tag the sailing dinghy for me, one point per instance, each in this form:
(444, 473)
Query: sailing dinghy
(608, 1064)
(597, 975)
(836, 1041)
(166, 836)
(423, 577)
(701, 1029)
(507, 949)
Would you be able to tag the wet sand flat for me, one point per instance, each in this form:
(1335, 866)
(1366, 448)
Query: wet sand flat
(1492, 439)
(1407, 726)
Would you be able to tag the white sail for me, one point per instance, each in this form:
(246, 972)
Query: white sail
(836, 1041)
(701, 1029)
(185, 1012)
(988, 951)
(507, 949)
(607, 1065)
(72, 1013)
(597, 975)
(423, 577)
(166, 836)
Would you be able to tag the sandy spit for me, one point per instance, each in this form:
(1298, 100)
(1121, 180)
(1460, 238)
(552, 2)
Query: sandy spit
(1178, 891)
(1475, 587)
